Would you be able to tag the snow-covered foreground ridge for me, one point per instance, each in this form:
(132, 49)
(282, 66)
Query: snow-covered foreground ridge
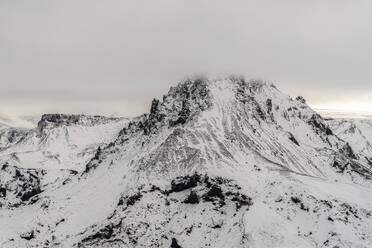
(216, 163)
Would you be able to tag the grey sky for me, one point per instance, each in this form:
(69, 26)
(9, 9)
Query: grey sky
(113, 57)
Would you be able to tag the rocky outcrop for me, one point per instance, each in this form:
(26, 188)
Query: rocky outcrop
(10, 136)
(179, 106)
(219, 197)
(56, 120)
(19, 186)
(319, 124)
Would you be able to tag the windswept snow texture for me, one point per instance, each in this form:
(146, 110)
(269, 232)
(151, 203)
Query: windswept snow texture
(216, 163)
(61, 141)
(358, 133)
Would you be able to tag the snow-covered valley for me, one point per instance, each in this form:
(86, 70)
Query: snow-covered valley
(216, 163)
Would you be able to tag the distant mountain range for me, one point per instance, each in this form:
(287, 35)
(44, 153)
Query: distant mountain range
(328, 113)
(18, 121)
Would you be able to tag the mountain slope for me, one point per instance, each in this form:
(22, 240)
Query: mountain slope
(10, 136)
(358, 133)
(22, 122)
(217, 163)
(62, 141)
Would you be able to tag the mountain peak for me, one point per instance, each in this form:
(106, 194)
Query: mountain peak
(239, 112)
(206, 166)
(191, 97)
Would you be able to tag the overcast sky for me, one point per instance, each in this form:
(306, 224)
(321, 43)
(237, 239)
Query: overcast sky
(113, 57)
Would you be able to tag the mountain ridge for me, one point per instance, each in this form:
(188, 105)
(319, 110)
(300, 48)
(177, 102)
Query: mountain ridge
(202, 168)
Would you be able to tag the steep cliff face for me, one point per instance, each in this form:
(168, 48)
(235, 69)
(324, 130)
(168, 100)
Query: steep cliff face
(216, 163)
(357, 133)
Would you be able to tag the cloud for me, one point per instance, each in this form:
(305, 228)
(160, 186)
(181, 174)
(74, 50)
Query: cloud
(134, 50)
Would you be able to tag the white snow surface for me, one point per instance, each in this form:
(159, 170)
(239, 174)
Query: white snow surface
(357, 132)
(267, 171)
(62, 147)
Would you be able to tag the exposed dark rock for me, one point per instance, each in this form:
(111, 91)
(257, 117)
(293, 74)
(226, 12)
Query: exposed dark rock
(104, 233)
(214, 193)
(293, 139)
(242, 200)
(179, 106)
(28, 194)
(28, 236)
(302, 207)
(73, 172)
(295, 199)
(369, 160)
(60, 221)
(154, 106)
(196, 185)
(133, 199)
(2, 192)
(301, 99)
(150, 123)
(17, 174)
(183, 183)
(4, 166)
(12, 135)
(19, 185)
(98, 153)
(94, 161)
(155, 188)
(340, 166)
(193, 95)
(183, 115)
(180, 120)
(193, 198)
(175, 244)
(56, 120)
(317, 123)
(121, 202)
(327, 203)
(269, 105)
(348, 151)
(259, 111)
(298, 201)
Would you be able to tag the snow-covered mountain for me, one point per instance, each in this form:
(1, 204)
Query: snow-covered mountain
(14, 128)
(61, 141)
(18, 121)
(10, 136)
(216, 163)
(358, 133)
